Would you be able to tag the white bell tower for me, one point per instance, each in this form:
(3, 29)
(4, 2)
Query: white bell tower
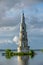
(23, 41)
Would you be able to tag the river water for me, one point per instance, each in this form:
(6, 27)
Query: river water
(22, 60)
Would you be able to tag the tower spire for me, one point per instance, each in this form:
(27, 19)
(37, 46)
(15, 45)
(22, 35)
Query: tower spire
(23, 18)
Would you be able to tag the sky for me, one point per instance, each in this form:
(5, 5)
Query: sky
(10, 18)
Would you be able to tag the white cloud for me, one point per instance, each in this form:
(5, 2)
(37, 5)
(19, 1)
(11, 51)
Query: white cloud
(9, 9)
(11, 13)
(5, 41)
(36, 31)
(41, 30)
(15, 39)
(8, 28)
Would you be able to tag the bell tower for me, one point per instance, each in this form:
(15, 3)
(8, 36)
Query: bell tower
(23, 41)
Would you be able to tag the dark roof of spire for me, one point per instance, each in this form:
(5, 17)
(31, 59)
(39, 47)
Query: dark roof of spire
(23, 18)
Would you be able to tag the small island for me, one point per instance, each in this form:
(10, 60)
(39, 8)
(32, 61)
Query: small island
(9, 53)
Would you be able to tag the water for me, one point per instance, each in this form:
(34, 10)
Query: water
(22, 60)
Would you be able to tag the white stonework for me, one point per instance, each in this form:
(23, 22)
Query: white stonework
(23, 41)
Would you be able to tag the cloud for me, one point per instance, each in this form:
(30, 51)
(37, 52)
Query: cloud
(5, 41)
(15, 39)
(10, 10)
(10, 16)
(7, 29)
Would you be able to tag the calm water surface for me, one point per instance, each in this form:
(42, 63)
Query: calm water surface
(22, 60)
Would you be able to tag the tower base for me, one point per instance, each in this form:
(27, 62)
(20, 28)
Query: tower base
(23, 49)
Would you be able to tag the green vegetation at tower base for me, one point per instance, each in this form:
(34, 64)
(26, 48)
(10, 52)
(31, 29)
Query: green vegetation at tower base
(9, 53)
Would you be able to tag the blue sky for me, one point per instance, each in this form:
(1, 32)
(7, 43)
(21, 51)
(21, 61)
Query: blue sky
(10, 18)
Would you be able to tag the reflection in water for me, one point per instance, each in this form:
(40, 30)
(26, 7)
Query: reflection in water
(23, 60)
